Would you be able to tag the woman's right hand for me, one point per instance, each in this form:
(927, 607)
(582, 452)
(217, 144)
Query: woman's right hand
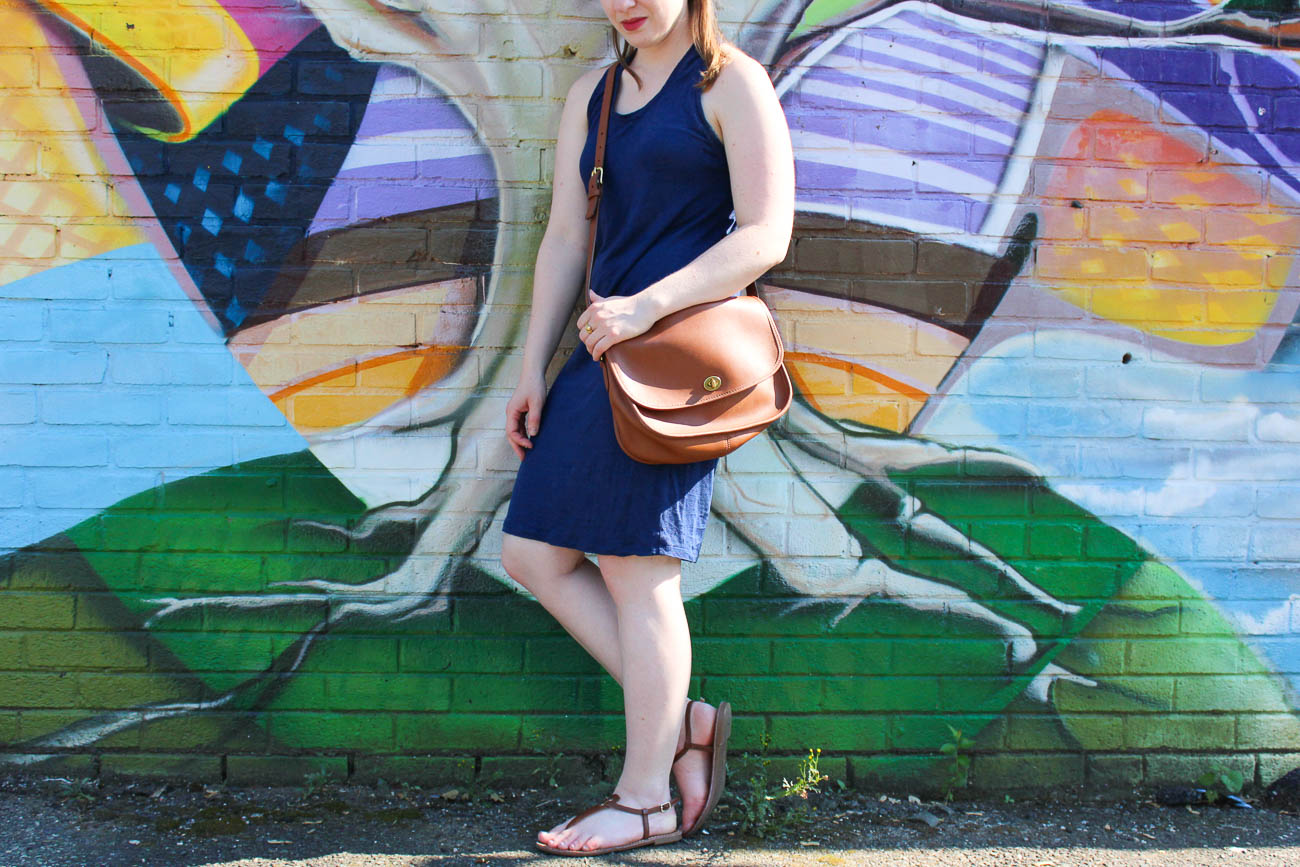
(524, 412)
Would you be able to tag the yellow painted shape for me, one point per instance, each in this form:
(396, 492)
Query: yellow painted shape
(193, 53)
(1132, 187)
(353, 369)
(276, 355)
(1138, 305)
(64, 208)
(1182, 232)
(1191, 294)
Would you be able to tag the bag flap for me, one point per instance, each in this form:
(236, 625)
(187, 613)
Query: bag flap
(734, 340)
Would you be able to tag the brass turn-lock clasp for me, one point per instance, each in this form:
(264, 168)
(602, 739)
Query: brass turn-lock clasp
(713, 383)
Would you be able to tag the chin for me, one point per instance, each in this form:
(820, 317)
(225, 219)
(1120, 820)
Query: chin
(641, 38)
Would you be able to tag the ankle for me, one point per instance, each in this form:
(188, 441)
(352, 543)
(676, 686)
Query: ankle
(642, 797)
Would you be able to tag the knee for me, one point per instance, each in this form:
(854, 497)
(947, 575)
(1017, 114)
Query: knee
(514, 560)
(532, 563)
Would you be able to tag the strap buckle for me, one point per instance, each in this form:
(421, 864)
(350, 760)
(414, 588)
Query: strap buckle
(598, 172)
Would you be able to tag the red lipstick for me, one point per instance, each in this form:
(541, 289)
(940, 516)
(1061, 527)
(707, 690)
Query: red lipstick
(633, 24)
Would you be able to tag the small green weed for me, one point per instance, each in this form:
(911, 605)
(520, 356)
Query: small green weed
(314, 783)
(757, 797)
(83, 790)
(552, 765)
(1220, 782)
(959, 772)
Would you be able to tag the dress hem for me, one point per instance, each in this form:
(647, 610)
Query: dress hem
(545, 536)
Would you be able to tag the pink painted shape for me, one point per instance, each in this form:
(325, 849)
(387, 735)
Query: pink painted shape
(273, 27)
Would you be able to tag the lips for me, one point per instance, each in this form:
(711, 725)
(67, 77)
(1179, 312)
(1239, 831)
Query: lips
(633, 24)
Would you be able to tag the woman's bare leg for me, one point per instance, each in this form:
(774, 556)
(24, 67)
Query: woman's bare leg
(655, 639)
(572, 589)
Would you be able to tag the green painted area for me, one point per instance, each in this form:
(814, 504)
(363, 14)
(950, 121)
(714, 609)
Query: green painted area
(1145, 663)
(1265, 8)
(821, 11)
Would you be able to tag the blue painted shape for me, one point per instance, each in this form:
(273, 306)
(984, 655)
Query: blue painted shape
(295, 135)
(173, 193)
(224, 264)
(243, 209)
(211, 222)
(130, 415)
(262, 148)
(201, 178)
(232, 162)
(235, 311)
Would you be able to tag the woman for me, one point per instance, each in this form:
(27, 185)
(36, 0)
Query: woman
(698, 202)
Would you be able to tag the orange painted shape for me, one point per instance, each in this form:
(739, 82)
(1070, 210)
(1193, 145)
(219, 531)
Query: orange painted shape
(194, 54)
(361, 389)
(871, 397)
(1189, 293)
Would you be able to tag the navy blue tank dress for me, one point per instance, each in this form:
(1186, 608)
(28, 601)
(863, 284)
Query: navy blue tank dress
(667, 199)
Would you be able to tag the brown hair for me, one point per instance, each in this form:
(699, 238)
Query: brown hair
(706, 35)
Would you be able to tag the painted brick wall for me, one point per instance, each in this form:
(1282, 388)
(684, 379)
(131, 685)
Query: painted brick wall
(264, 283)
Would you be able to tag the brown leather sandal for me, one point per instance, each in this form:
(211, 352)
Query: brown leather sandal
(646, 837)
(718, 751)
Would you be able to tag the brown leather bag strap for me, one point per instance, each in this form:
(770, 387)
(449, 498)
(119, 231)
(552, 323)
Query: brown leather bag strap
(596, 182)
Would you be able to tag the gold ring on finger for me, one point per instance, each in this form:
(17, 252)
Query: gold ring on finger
(589, 328)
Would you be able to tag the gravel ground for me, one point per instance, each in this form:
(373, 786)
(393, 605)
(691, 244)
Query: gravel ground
(52, 822)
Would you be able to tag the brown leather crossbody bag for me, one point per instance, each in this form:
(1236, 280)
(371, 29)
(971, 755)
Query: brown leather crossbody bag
(703, 380)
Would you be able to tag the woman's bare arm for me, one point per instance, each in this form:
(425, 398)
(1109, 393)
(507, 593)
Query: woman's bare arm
(562, 256)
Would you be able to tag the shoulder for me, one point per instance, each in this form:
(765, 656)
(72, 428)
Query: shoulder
(741, 74)
(741, 89)
(581, 91)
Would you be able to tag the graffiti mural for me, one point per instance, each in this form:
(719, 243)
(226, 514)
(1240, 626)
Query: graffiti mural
(264, 281)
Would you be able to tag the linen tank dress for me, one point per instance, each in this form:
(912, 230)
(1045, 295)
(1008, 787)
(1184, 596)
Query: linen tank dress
(667, 199)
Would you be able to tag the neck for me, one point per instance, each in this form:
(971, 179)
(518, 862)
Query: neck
(665, 53)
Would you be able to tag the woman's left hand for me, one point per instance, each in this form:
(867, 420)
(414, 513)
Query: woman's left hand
(613, 320)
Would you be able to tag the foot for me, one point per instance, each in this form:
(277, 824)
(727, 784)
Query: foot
(692, 770)
(609, 827)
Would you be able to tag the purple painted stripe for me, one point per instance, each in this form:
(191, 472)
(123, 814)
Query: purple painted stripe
(940, 103)
(986, 170)
(913, 134)
(386, 195)
(940, 210)
(901, 131)
(375, 201)
(1016, 102)
(924, 44)
(955, 213)
(410, 115)
(1007, 49)
(837, 126)
(824, 178)
(475, 168)
(1214, 108)
(1144, 10)
(827, 177)
(971, 59)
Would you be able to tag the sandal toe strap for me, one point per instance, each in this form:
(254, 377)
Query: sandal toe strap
(612, 801)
